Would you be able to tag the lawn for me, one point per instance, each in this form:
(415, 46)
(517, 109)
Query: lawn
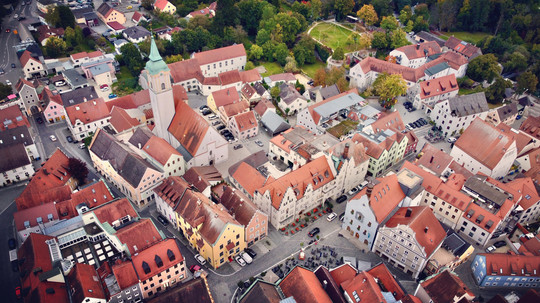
(272, 68)
(343, 128)
(311, 69)
(124, 73)
(333, 36)
(465, 36)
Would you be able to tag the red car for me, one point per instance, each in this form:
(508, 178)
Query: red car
(103, 86)
(18, 292)
(8, 30)
(194, 268)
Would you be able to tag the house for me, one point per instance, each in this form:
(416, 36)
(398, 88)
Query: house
(87, 198)
(303, 286)
(415, 55)
(15, 163)
(223, 97)
(165, 6)
(53, 108)
(109, 14)
(83, 57)
(74, 79)
(424, 36)
(116, 27)
(453, 252)
(138, 17)
(85, 285)
(250, 94)
(20, 134)
(455, 114)
(505, 114)
(162, 261)
(261, 91)
(29, 94)
(463, 48)
(291, 101)
(320, 93)
(251, 76)
(445, 287)
(273, 123)
(255, 222)
(203, 178)
(216, 61)
(44, 5)
(495, 160)
(351, 164)
(528, 209)
(136, 34)
(244, 125)
(118, 44)
(45, 31)
(409, 239)
(506, 270)
(371, 208)
(113, 158)
(425, 94)
(314, 116)
(383, 149)
(12, 117)
(31, 66)
(279, 79)
(86, 118)
(78, 96)
(262, 106)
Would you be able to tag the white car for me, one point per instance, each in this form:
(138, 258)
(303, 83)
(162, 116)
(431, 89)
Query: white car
(452, 140)
(246, 257)
(491, 249)
(52, 137)
(8, 82)
(200, 259)
(352, 191)
(15, 16)
(331, 217)
(239, 260)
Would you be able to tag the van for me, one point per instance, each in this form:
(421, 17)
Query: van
(246, 257)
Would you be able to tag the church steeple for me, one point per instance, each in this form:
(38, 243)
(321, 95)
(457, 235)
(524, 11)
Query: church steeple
(156, 64)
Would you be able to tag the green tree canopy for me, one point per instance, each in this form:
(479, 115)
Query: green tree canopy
(5, 90)
(483, 67)
(388, 87)
(343, 8)
(338, 53)
(495, 92)
(527, 81)
(389, 23)
(55, 47)
(368, 14)
(132, 58)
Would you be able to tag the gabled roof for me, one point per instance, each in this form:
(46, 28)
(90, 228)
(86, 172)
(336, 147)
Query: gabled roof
(30, 215)
(363, 287)
(47, 185)
(463, 47)
(13, 157)
(420, 50)
(525, 186)
(438, 86)
(531, 127)
(84, 282)
(380, 66)
(250, 76)
(171, 190)
(136, 16)
(186, 70)
(166, 250)
(115, 25)
(125, 274)
(303, 286)
(114, 211)
(289, 94)
(194, 290)
(160, 150)
(245, 121)
(334, 104)
(386, 121)
(88, 112)
(445, 287)
(495, 143)
(202, 177)
(226, 96)
(92, 196)
(47, 97)
(189, 128)
(385, 197)
(498, 264)
(130, 101)
(12, 117)
(387, 280)
(421, 220)
(136, 32)
(348, 149)
(27, 56)
(262, 106)
(79, 95)
(35, 253)
(466, 105)
(237, 204)
(507, 111)
(139, 235)
(121, 120)
(17, 135)
(250, 178)
(261, 292)
(229, 77)
(105, 10)
(274, 122)
(430, 37)
(220, 54)
(161, 4)
(434, 159)
(23, 82)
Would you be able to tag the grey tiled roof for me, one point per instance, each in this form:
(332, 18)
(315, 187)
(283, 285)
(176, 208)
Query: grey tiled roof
(462, 106)
(13, 156)
(78, 96)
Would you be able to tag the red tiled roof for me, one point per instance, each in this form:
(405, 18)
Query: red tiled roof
(47, 185)
(245, 121)
(115, 25)
(304, 287)
(78, 56)
(12, 117)
(388, 121)
(139, 235)
(250, 178)
(234, 109)
(531, 127)
(499, 264)
(410, 299)
(220, 54)
(48, 292)
(93, 196)
(23, 81)
(31, 214)
(263, 106)
(26, 56)
(202, 177)
(171, 190)
(230, 77)
(531, 246)
(438, 86)
(236, 203)
(365, 287)
(159, 149)
(466, 49)
(375, 150)
(380, 66)
(534, 160)
(385, 196)
(316, 173)
(186, 70)
(84, 282)
(249, 76)
(225, 96)
(343, 273)
(87, 112)
(529, 195)
(446, 287)
(160, 250)
(495, 142)
(285, 77)
(95, 54)
(428, 231)
(35, 253)
(188, 127)
(201, 12)
(420, 50)
(130, 101)
(161, 4)
(387, 279)
(434, 159)
(121, 120)
(45, 31)
(115, 210)
(125, 274)
(136, 16)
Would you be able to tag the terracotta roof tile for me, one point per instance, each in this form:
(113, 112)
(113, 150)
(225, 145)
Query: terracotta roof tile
(525, 186)
(194, 290)
(386, 121)
(249, 178)
(303, 286)
(27, 56)
(113, 211)
(35, 253)
(121, 120)
(87, 112)
(420, 50)
(434, 159)
(43, 294)
(387, 279)
(12, 117)
(343, 273)
(125, 274)
(262, 106)
(238, 205)
(186, 70)
(130, 101)
(202, 177)
(160, 149)
(93, 196)
(188, 127)
(171, 190)
(201, 12)
(139, 235)
(429, 232)
(245, 121)
(464, 48)
(380, 66)
(499, 264)
(250, 76)
(229, 77)
(30, 215)
(161, 4)
(364, 286)
(531, 127)
(385, 196)
(225, 96)
(234, 109)
(220, 54)
(84, 282)
(438, 86)
(445, 287)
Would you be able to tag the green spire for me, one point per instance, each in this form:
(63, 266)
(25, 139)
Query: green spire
(156, 64)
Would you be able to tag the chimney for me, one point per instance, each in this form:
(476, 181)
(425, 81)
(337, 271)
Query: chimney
(369, 190)
(139, 144)
(408, 212)
(84, 99)
(418, 46)
(431, 160)
(426, 230)
(324, 284)
(346, 151)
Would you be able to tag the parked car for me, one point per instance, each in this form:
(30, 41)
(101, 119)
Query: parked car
(8, 82)
(251, 252)
(518, 117)
(451, 140)
(411, 125)
(69, 139)
(12, 243)
(239, 260)
(206, 112)
(15, 16)
(490, 249)
(202, 108)
(220, 127)
(341, 217)
(111, 96)
(200, 259)
(60, 83)
(82, 146)
(237, 146)
(411, 109)
(212, 117)
(352, 191)
(52, 137)
(102, 86)
(499, 244)
(216, 123)
(259, 143)
(18, 292)
(314, 232)
(129, 7)
(224, 131)
(2, 71)
(341, 199)
(163, 220)
(13, 65)
(246, 257)
(194, 268)
(310, 82)
(331, 217)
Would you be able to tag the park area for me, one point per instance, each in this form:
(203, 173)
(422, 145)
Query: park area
(333, 36)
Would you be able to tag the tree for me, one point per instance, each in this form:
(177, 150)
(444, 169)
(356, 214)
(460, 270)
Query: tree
(255, 52)
(55, 47)
(132, 58)
(304, 50)
(263, 36)
(380, 41)
(226, 15)
(280, 53)
(337, 76)
(316, 6)
(338, 53)
(516, 62)
(382, 7)
(483, 67)
(290, 66)
(405, 15)
(250, 13)
(5, 90)
(368, 14)
(66, 17)
(320, 77)
(77, 169)
(495, 92)
(69, 37)
(147, 4)
(527, 81)
(249, 65)
(389, 23)
(388, 87)
(275, 91)
(343, 8)
(398, 38)
(173, 58)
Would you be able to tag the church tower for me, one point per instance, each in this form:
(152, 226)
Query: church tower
(158, 77)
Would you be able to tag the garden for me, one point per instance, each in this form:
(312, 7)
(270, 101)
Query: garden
(335, 36)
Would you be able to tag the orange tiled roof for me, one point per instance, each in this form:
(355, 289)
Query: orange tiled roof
(434, 159)
(35, 253)
(438, 86)
(171, 190)
(12, 117)
(27, 56)
(115, 210)
(159, 149)
(220, 54)
(385, 197)
(245, 121)
(93, 196)
(225, 96)
(445, 286)
(316, 173)
(188, 127)
(529, 195)
(87, 112)
(237, 204)
(343, 273)
(531, 127)
(161, 4)
(428, 231)
(229, 77)
(78, 56)
(365, 287)
(84, 282)
(388, 121)
(166, 250)
(387, 279)
(249, 76)
(466, 49)
(504, 264)
(30, 215)
(495, 142)
(304, 286)
(250, 178)
(186, 70)
(121, 120)
(234, 109)
(130, 101)
(138, 236)
(202, 176)
(420, 50)
(125, 274)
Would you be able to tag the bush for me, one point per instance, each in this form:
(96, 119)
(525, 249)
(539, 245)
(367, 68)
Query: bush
(323, 51)
(263, 274)
(240, 284)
